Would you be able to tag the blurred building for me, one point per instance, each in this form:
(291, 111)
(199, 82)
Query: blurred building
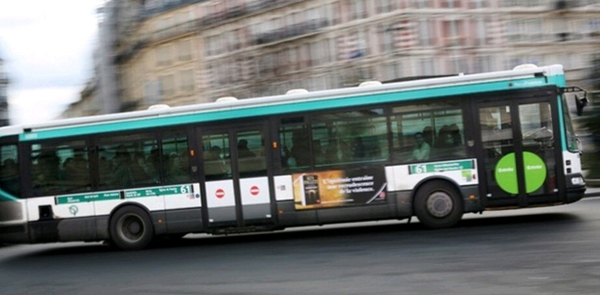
(4, 121)
(563, 32)
(189, 51)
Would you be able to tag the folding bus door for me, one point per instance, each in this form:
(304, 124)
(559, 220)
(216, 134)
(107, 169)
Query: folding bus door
(236, 180)
(518, 143)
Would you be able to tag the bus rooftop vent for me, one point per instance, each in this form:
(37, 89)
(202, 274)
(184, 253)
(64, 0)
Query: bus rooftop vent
(296, 91)
(369, 83)
(158, 107)
(525, 66)
(226, 98)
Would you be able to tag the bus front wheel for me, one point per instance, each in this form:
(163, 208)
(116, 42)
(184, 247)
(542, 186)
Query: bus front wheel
(437, 204)
(131, 228)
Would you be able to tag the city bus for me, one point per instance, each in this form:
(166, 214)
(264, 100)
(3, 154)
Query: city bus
(435, 149)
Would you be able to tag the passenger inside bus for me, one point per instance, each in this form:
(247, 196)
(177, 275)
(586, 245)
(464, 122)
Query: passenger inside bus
(300, 152)
(243, 150)
(449, 143)
(422, 149)
(214, 164)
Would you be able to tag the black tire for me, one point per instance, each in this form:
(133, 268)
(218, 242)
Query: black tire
(131, 228)
(437, 204)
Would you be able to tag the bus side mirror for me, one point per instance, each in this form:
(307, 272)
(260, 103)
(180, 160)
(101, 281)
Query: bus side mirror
(580, 104)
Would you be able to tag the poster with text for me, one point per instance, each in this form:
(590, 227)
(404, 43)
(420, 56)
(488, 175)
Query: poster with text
(337, 188)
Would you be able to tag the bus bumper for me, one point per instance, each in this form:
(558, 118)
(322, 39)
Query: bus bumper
(575, 187)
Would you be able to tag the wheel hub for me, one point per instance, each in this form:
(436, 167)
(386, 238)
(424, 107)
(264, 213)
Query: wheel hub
(130, 228)
(439, 204)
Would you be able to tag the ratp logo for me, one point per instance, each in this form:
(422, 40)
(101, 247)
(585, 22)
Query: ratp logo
(73, 210)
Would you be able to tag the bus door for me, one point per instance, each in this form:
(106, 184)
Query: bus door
(518, 148)
(235, 177)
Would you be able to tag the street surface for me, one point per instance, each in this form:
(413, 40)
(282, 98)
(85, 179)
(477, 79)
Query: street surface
(553, 250)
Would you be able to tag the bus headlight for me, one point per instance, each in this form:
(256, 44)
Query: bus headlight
(576, 180)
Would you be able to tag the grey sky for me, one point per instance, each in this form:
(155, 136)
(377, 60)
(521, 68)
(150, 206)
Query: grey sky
(47, 51)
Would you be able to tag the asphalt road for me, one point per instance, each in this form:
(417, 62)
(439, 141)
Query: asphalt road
(554, 250)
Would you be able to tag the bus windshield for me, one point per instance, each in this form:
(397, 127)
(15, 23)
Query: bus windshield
(570, 131)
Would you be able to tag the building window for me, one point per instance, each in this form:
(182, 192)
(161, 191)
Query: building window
(186, 79)
(386, 42)
(426, 35)
(358, 9)
(167, 86)
(452, 33)
(478, 4)
(335, 12)
(421, 3)
(427, 67)
(384, 6)
(163, 56)
(451, 3)
(185, 50)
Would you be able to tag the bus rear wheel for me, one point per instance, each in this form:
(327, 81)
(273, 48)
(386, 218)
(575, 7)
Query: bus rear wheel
(131, 228)
(437, 204)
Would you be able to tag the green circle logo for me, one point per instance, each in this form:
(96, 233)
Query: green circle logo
(534, 170)
(506, 174)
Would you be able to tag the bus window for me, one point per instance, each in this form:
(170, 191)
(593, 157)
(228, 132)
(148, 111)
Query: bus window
(295, 144)
(428, 134)
(128, 161)
(60, 167)
(355, 137)
(251, 154)
(176, 158)
(10, 180)
(217, 162)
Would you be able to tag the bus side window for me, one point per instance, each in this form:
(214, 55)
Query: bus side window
(437, 124)
(60, 167)
(130, 160)
(176, 159)
(10, 180)
(295, 147)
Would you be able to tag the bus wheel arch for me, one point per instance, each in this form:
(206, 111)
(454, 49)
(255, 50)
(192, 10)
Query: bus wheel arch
(438, 203)
(130, 227)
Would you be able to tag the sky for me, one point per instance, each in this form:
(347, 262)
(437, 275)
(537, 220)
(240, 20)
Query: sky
(47, 50)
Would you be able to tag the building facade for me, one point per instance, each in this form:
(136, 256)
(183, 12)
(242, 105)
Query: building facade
(4, 120)
(184, 51)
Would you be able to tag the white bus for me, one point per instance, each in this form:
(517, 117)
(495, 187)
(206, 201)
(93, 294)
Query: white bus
(434, 149)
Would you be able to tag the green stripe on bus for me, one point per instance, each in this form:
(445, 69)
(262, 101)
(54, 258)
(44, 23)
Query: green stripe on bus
(115, 195)
(160, 191)
(441, 167)
(88, 198)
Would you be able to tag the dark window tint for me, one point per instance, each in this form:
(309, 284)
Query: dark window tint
(422, 133)
(128, 163)
(251, 154)
(175, 152)
(217, 162)
(60, 168)
(295, 147)
(10, 179)
(350, 138)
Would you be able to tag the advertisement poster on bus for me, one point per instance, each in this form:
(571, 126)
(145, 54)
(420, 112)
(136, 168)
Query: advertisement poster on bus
(339, 188)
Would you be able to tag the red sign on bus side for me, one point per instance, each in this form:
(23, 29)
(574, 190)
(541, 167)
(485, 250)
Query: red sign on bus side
(220, 193)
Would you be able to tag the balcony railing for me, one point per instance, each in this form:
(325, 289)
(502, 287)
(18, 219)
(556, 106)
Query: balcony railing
(291, 31)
